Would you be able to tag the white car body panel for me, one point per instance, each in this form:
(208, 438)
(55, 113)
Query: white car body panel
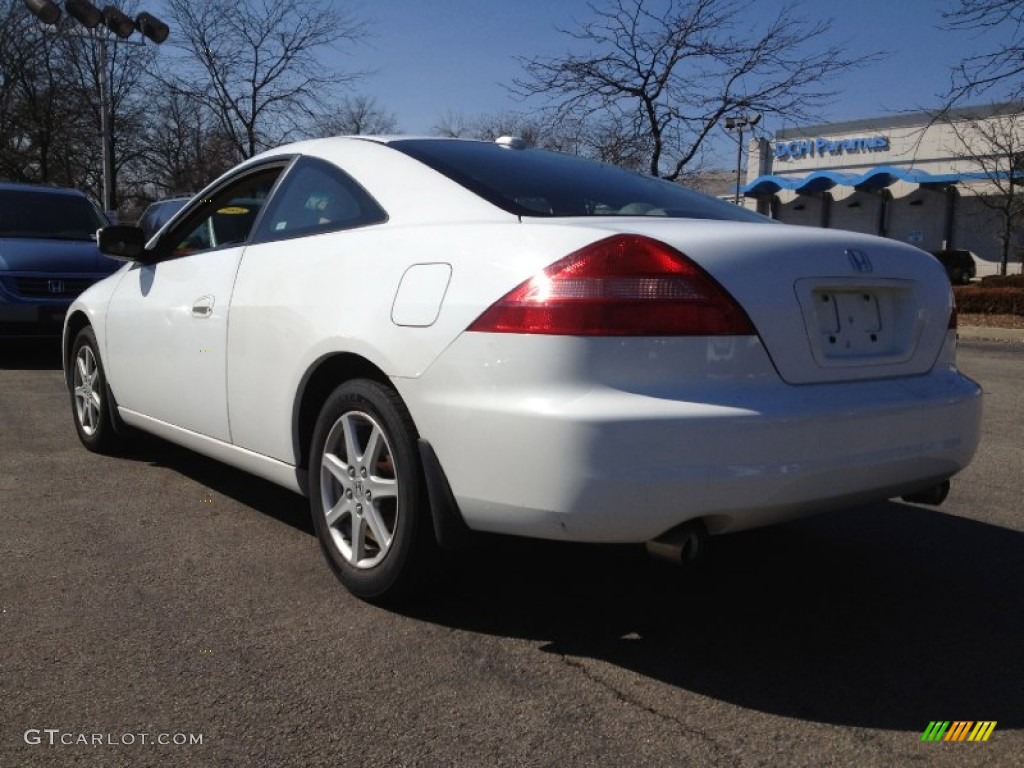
(169, 325)
(722, 438)
(262, 466)
(348, 307)
(420, 295)
(774, 289)
(588, 439)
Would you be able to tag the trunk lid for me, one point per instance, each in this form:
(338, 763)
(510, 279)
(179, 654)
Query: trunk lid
(829, 305)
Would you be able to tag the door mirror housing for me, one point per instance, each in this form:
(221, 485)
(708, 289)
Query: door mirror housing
(122, 242)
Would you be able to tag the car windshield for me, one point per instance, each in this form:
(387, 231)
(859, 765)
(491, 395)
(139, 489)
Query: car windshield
(538, 182)
(159, 213)
(49, 215)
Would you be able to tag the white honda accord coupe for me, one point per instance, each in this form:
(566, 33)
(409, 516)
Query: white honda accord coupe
(430, 337)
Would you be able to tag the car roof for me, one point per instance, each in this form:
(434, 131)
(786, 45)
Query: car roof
(13, 186)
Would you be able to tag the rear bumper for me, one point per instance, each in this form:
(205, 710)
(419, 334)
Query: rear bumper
(604, 464)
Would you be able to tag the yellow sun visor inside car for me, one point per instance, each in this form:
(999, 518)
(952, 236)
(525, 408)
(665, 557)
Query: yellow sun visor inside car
(233, 209)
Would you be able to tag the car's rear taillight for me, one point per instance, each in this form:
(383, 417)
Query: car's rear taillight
(624, 285)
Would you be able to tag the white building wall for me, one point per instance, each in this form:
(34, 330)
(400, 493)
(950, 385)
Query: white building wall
(915, 214)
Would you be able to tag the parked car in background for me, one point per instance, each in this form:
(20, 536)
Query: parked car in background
(159, 213)
(430, 337)
(959, 264)
(48, 255)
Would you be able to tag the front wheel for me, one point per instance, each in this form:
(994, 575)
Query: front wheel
(90, 403)
(367, 493)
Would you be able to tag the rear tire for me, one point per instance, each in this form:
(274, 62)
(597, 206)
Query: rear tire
(90, 399)
(367, 493)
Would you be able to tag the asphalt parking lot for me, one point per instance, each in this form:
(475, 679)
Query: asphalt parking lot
(163, 594)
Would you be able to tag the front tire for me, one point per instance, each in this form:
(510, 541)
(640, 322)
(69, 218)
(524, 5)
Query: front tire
(367, 493)
(90, 401)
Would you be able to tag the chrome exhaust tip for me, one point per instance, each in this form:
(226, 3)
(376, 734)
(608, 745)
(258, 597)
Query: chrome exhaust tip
(683, 545)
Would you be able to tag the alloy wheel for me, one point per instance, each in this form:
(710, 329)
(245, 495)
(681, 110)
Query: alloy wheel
(359, 488)
(86, 390)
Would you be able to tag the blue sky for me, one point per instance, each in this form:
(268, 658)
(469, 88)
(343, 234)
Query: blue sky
(438, 55)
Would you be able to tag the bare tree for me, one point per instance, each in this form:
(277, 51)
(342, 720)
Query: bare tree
(1001, 70)
(50, 119)
(454, 125)
(126, 64)
(670, 70)
(994, 144)
(535, 132)
(258, 65)
(40, 115)
(608, 138)
(358, 115)
(184, 149)
(488, 126)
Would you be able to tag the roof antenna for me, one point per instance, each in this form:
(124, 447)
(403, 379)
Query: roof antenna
(511, 142)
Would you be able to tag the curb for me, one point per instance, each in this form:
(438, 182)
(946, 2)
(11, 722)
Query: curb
(982, 333)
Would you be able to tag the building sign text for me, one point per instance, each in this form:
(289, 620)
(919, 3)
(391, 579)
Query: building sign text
(799, 148)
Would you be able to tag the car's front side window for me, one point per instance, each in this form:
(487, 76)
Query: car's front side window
(225, 219)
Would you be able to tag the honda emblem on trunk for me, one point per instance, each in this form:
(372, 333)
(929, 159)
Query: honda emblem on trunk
(859, 260)
(55, 286)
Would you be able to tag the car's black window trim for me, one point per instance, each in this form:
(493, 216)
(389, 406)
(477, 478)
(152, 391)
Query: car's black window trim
(189, 217)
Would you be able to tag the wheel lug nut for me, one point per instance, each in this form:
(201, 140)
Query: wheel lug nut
(367, 496)
(359, 509)
(362, 472)
(351, 471)
(348, 494)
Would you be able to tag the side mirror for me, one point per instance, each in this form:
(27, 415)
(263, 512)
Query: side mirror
(121, 242)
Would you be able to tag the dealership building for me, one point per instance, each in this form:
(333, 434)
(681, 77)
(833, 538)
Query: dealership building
(909, 177)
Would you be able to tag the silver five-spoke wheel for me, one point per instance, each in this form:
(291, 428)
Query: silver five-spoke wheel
(86, 390)
(91, 402)
(359, 489)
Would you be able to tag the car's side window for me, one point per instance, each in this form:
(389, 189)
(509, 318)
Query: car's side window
(227, 218)
(317, 197)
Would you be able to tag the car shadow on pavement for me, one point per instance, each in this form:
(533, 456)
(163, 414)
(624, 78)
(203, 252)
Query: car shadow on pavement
(885, 617)
(30, 354)
(262, 495)
(888, 616)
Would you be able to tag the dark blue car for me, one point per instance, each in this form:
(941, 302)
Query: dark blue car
(48, 256)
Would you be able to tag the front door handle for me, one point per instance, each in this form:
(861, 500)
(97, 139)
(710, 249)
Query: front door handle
(203, 306)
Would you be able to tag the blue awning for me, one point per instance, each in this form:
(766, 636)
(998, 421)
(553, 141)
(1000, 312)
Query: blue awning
(876, 178)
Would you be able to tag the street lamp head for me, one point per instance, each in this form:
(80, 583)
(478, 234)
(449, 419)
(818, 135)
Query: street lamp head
(44, 10)
(731, 122)
(117, 22)
(87, 14)
(150, 26)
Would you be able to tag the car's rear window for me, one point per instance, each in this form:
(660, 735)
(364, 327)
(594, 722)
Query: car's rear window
(538, 182)
(51, 215)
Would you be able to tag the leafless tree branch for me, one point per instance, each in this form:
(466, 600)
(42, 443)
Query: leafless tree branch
(674, 68)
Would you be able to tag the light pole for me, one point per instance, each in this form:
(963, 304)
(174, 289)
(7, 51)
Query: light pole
(738, 124)
(121, 26)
